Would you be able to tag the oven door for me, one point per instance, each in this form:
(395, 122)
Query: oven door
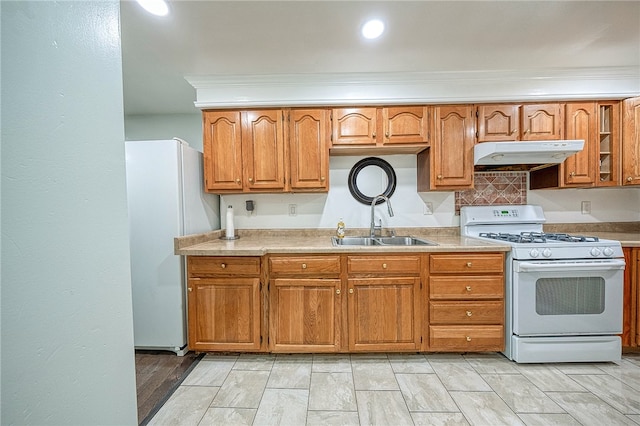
(567, 297)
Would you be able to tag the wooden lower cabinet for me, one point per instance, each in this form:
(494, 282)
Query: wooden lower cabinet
(384, 314)
(631, 299)
(305, 303)
(466, 302)
(224, 314)
(383, 302)
(224, 304)
(331, 303)
(304, 315)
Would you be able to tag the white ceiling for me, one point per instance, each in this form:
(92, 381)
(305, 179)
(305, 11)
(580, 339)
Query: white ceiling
(204, 38)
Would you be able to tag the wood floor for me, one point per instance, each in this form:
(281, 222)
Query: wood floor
(158, 374)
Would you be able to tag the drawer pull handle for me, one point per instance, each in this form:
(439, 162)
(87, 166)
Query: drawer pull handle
(469, 313)
(468, 288)
(384, 266)
(338, 291)
(350, 291)
(468, 338)
(223, 265)
(304, 266)
(469, 264)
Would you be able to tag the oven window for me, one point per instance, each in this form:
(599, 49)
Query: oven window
(570, 296)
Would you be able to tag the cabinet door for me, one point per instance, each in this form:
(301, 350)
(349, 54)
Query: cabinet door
(354, 126)
(498, 123)
(384, 314)
(452, 147)
(405, 125)
(309, 149)
(631, 142)
(581, 123)
(263, 149)
(629, 301)
(224, 314)
(541, 122)
(304, 315)
(222, 148)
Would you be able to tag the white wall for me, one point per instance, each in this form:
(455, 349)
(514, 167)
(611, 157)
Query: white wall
(67, 330)
(324, 210)
(165, 126)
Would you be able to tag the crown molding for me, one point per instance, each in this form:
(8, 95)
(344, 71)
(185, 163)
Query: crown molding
(223, 91)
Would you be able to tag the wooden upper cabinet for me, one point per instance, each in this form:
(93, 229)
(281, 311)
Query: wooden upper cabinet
(607, 153)
(542, 122)
(263, 150)
(309, 131)
(405, 125)
(581, 123)
(354, 126)
(403, 128)
(631, 142)
(497, 123)
(448, 165)
(222, 145)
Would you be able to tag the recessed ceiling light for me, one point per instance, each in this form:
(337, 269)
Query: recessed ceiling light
(373, 28)
(156, 7)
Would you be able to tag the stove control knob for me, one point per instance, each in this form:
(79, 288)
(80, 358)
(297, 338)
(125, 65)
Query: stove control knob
(595, 252)
(534, 253)
(546, 252)
(608, 251)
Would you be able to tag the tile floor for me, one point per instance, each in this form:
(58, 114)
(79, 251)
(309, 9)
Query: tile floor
(403, 389)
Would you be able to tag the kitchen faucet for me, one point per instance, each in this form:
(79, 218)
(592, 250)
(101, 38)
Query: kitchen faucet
(372, 230)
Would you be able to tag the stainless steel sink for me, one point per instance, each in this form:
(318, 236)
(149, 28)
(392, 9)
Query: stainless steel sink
(381, 241)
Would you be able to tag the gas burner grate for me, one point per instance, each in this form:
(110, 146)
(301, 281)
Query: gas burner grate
(538, 237)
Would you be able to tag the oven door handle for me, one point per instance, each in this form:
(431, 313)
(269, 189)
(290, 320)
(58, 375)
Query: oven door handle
(601, 265)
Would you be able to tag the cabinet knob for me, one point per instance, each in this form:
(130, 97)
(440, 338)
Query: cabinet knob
(469, 264)
(250, 179)
(468, 288)
(572, 174)
(190, 289)
(338, 291)
(322, 178)
(387, 134)
(439, 176)
(514, 132)
(384, 266)
(468, 338)
(469, 313)
(629, 179)
(373, 135)
(238, 181)
(304, 266)
(223, 265)
(350, 291)
(526, 131)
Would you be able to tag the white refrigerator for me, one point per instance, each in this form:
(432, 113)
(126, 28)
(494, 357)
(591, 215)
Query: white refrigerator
(166, 199)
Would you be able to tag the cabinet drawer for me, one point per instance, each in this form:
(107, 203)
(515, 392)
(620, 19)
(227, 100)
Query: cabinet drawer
(466, 338)
(466, 263)
(214, 265)
(326, 265)
(466, 312)
(407, 265)
(466, 287)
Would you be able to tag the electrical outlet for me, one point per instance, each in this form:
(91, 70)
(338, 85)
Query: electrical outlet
(428, 208)
(293, 209)
(585, 207)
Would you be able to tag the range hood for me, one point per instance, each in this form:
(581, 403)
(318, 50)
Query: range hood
(524, 152)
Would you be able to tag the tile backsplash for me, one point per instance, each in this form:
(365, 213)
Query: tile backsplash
(492, 188)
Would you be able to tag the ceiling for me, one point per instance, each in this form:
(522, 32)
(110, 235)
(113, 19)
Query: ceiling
(231, 38)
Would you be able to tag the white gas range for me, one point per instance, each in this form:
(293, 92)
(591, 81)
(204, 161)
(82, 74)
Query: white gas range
(563, 294)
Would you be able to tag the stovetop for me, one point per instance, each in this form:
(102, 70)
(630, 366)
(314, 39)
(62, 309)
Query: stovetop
(538, 237)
